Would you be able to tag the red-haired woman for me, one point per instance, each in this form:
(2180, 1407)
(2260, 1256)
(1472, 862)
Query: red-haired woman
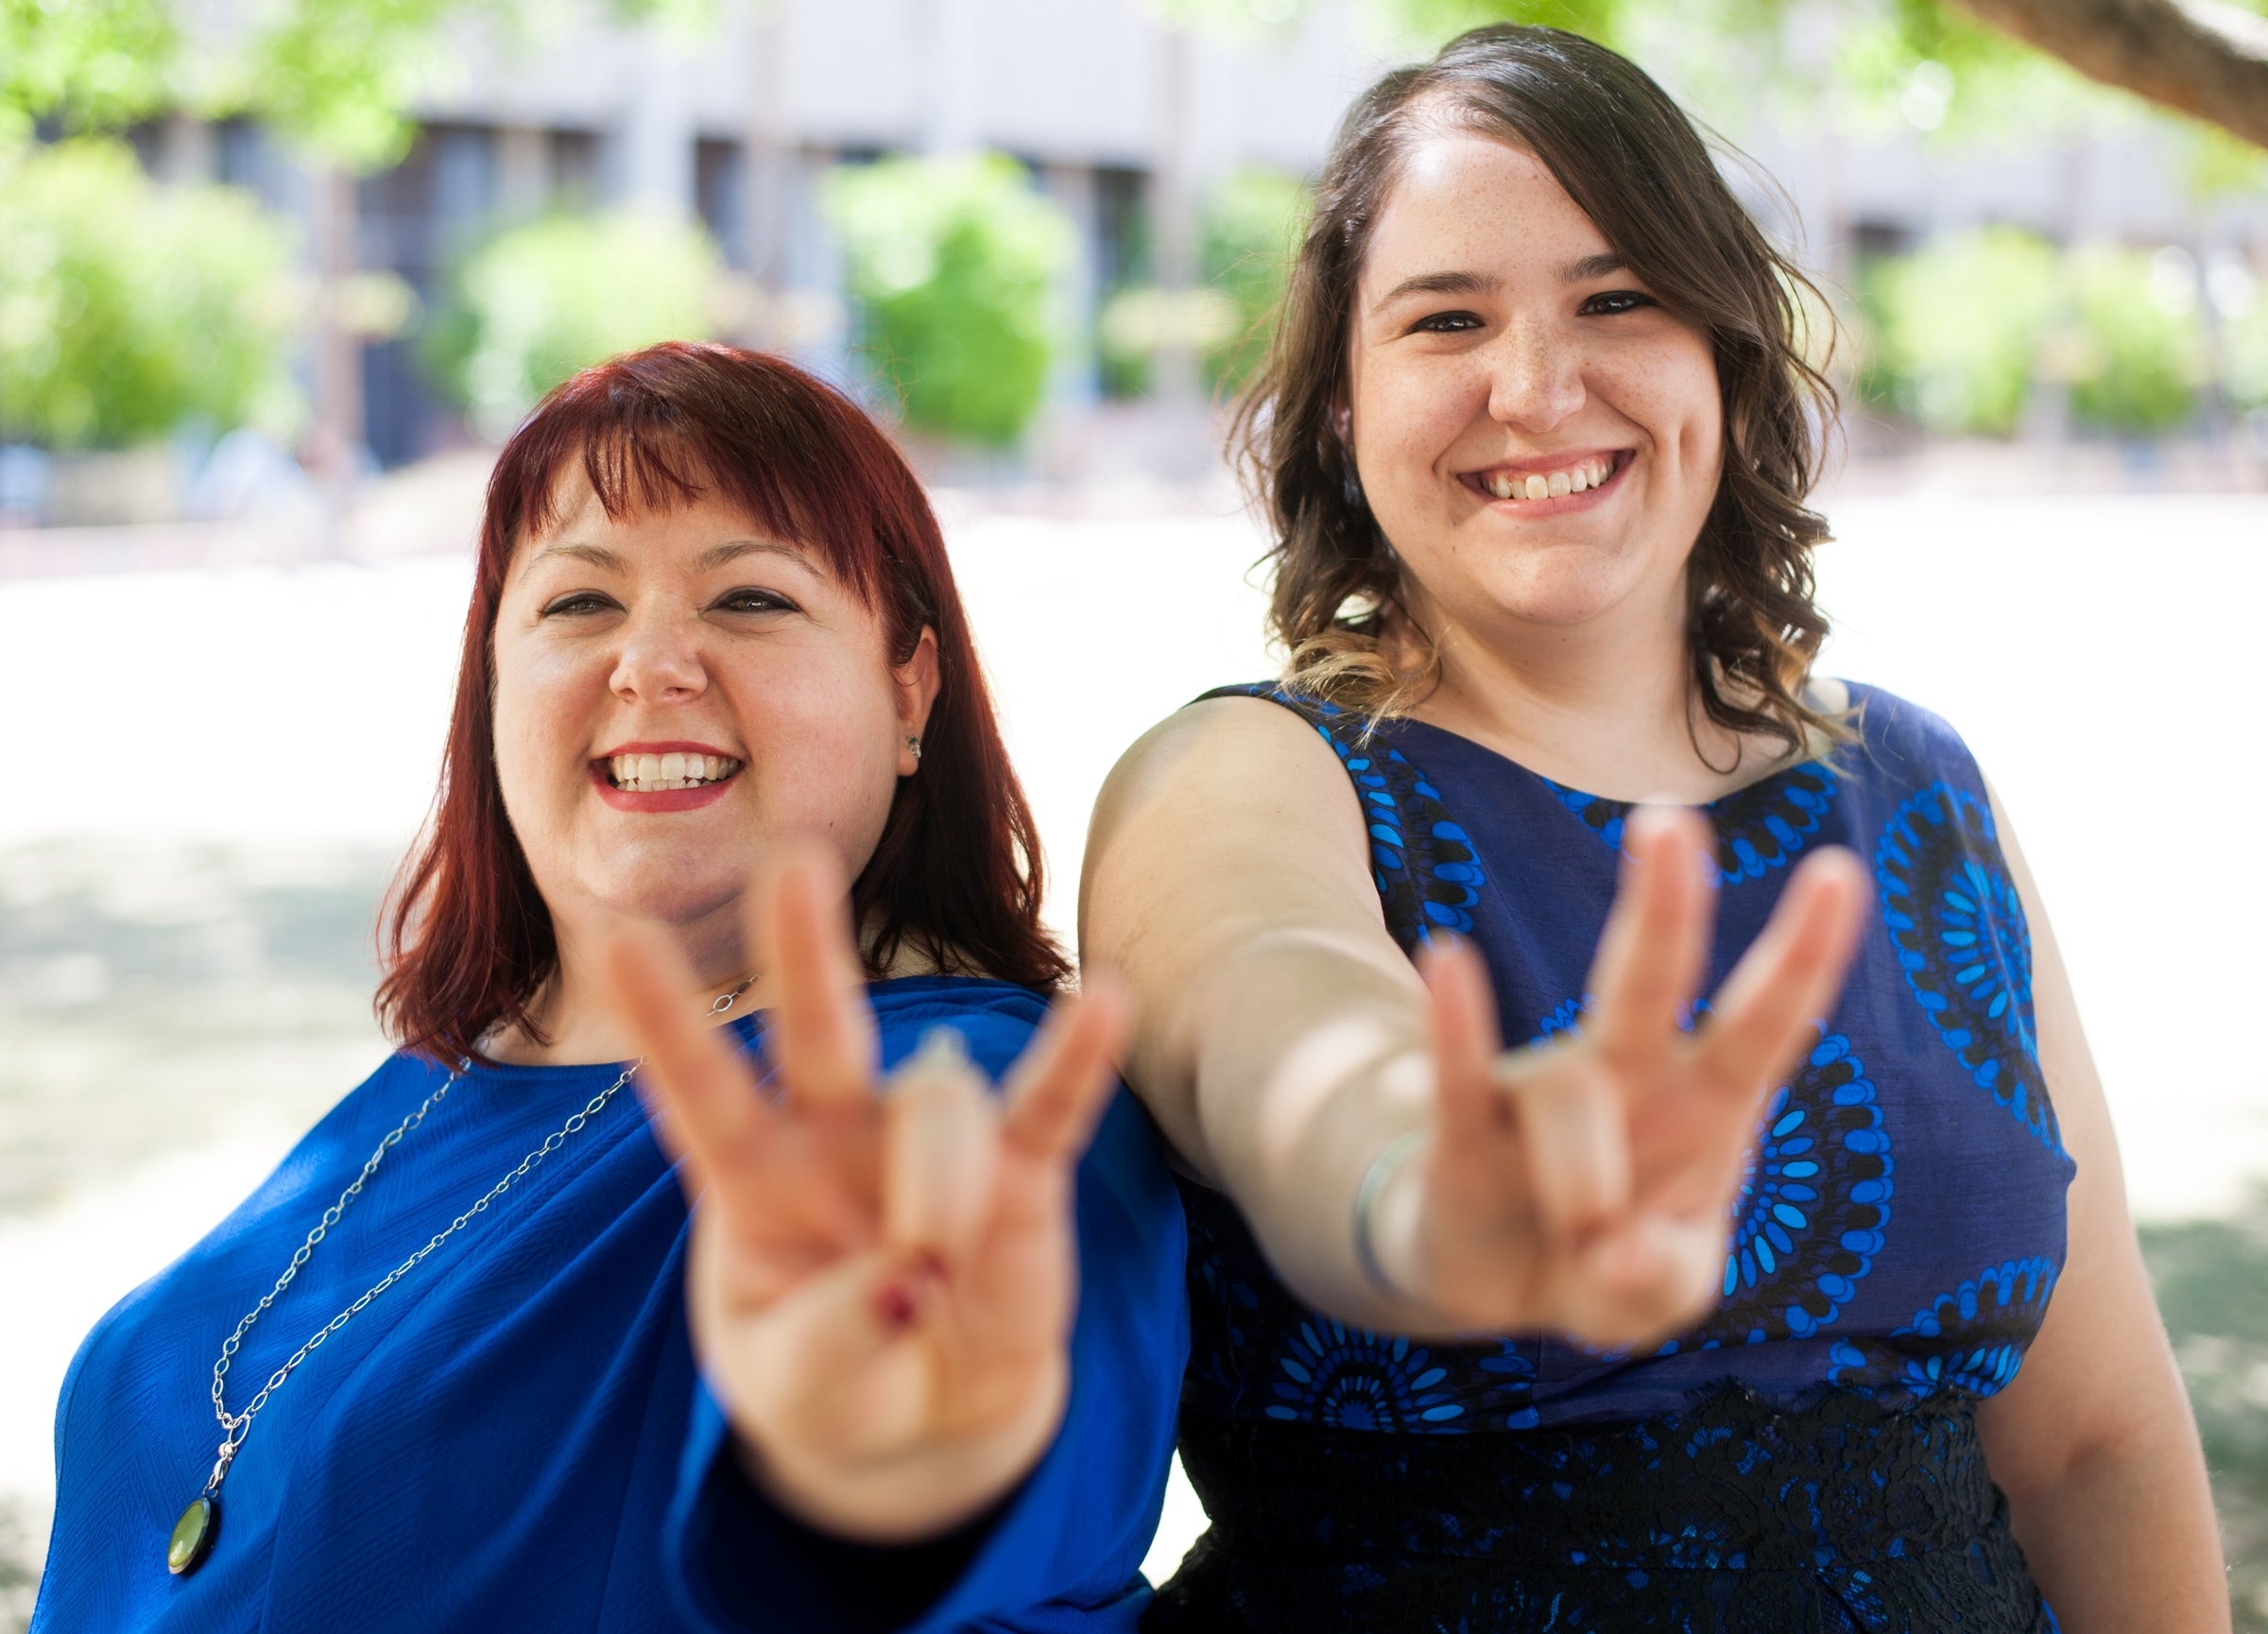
(466, 1361)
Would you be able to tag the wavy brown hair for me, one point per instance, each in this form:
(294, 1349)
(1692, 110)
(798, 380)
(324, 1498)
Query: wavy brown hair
(1632, 160)
(468, 941)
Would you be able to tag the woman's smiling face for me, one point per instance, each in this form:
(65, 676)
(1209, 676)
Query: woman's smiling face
(675, 693)
(1536, 435)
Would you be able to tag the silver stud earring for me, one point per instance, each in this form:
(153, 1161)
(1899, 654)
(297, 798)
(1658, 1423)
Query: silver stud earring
(915, 744)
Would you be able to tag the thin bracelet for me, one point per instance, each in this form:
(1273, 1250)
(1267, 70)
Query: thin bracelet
(1390, 1158)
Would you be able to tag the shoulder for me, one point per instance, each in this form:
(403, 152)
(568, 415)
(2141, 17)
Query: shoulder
(1231, 717)
(1905, 744)
(1212, 807)
(1229, 746)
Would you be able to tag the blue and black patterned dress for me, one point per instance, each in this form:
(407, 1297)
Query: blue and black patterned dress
(1806, 1459)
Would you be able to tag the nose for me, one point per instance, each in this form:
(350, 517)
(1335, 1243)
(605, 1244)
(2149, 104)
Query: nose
(1536, 377)
(659, 660)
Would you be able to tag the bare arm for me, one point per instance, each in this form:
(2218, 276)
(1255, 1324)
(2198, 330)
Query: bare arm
(1284, 1035)
(2093, 1442)
(1285, 1044)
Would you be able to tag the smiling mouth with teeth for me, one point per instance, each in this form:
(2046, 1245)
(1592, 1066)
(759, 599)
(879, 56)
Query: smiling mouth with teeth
(654, 773)
(1577, 478)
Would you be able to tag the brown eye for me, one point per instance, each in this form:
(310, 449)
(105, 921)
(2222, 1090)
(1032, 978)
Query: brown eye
(751, 599)
(1615, 301)
(1445, 323)
(582, 601)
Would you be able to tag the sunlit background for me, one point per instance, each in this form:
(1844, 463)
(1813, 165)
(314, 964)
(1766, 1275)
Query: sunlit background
(277, 275)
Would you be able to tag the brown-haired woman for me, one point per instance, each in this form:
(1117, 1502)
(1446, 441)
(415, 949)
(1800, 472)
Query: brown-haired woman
(1536, 439)
(714, 640)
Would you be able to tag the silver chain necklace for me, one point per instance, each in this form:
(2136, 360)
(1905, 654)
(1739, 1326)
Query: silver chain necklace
(193, 1534)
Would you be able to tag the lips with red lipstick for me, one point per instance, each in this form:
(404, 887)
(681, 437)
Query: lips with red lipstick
(664, 777)
(1551, 483)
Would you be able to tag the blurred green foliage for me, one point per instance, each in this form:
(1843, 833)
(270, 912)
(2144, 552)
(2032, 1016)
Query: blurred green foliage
(537, 302)
(127, 308)
(91, 64)
(1956, 328)
(954, 264)
(1962, 331)
(1250, 230)
(2210, 1276)
(1928, 64)
(335, 76)
(2142, 340)
(2244, 351)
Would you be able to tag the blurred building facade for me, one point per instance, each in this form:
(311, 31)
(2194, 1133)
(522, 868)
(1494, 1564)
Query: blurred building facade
(1120, 116)
(1122, 113)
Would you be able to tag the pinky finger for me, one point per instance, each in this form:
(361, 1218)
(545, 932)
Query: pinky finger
(1058, 1086)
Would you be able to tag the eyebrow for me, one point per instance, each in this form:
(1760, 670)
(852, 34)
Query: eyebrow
(717, 556)
(1443, 283)
(1592, 266)
(1460, 282)
(733, 549)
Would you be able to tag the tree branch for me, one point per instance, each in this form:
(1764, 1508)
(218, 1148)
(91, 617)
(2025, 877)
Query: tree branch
(2204, 58)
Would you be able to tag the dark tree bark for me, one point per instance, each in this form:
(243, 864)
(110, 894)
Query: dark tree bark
(2204, 58)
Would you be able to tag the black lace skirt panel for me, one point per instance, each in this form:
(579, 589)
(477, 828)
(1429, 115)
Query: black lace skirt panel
(1731, 1515)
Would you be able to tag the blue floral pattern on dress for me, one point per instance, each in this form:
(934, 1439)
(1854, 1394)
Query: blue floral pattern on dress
(1255, 1356)
(1962, 939)
(1421, 862)
(1813, 1204)
(1566, 1017)
(1757, 828)
(1973, 1339)
(1353, 1379)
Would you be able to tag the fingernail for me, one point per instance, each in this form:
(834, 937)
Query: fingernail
(941, 1047)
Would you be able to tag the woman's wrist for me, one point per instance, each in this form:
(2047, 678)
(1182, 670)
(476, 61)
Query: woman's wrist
(920, 1492)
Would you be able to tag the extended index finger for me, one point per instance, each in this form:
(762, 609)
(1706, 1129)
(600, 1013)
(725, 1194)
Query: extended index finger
(702, 1093)
(1656, 941)
(1788, 977)
(821, 1036)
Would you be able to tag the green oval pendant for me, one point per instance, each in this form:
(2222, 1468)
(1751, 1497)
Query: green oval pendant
(192, 1539)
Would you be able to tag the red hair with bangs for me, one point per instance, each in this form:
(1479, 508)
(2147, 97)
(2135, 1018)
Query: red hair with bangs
(467, 940)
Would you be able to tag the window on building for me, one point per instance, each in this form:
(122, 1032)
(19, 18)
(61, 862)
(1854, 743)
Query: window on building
(1121, 227)
(719, 195)
(574, 155)
(1122, 258)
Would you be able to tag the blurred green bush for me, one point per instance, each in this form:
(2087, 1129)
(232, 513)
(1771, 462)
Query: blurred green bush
(534, 302)
(1962, 330)
(954, 264)
(2244, 355)
(2141, 338)
(128, 308)
(1248, 232)
(1956, 328)
(1251, 227)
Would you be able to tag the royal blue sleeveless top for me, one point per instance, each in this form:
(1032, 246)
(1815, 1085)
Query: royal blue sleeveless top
(1898, 1234)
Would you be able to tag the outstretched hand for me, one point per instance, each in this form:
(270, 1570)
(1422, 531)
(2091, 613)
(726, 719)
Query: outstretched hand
(883, 1273)
(1584, 1184)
